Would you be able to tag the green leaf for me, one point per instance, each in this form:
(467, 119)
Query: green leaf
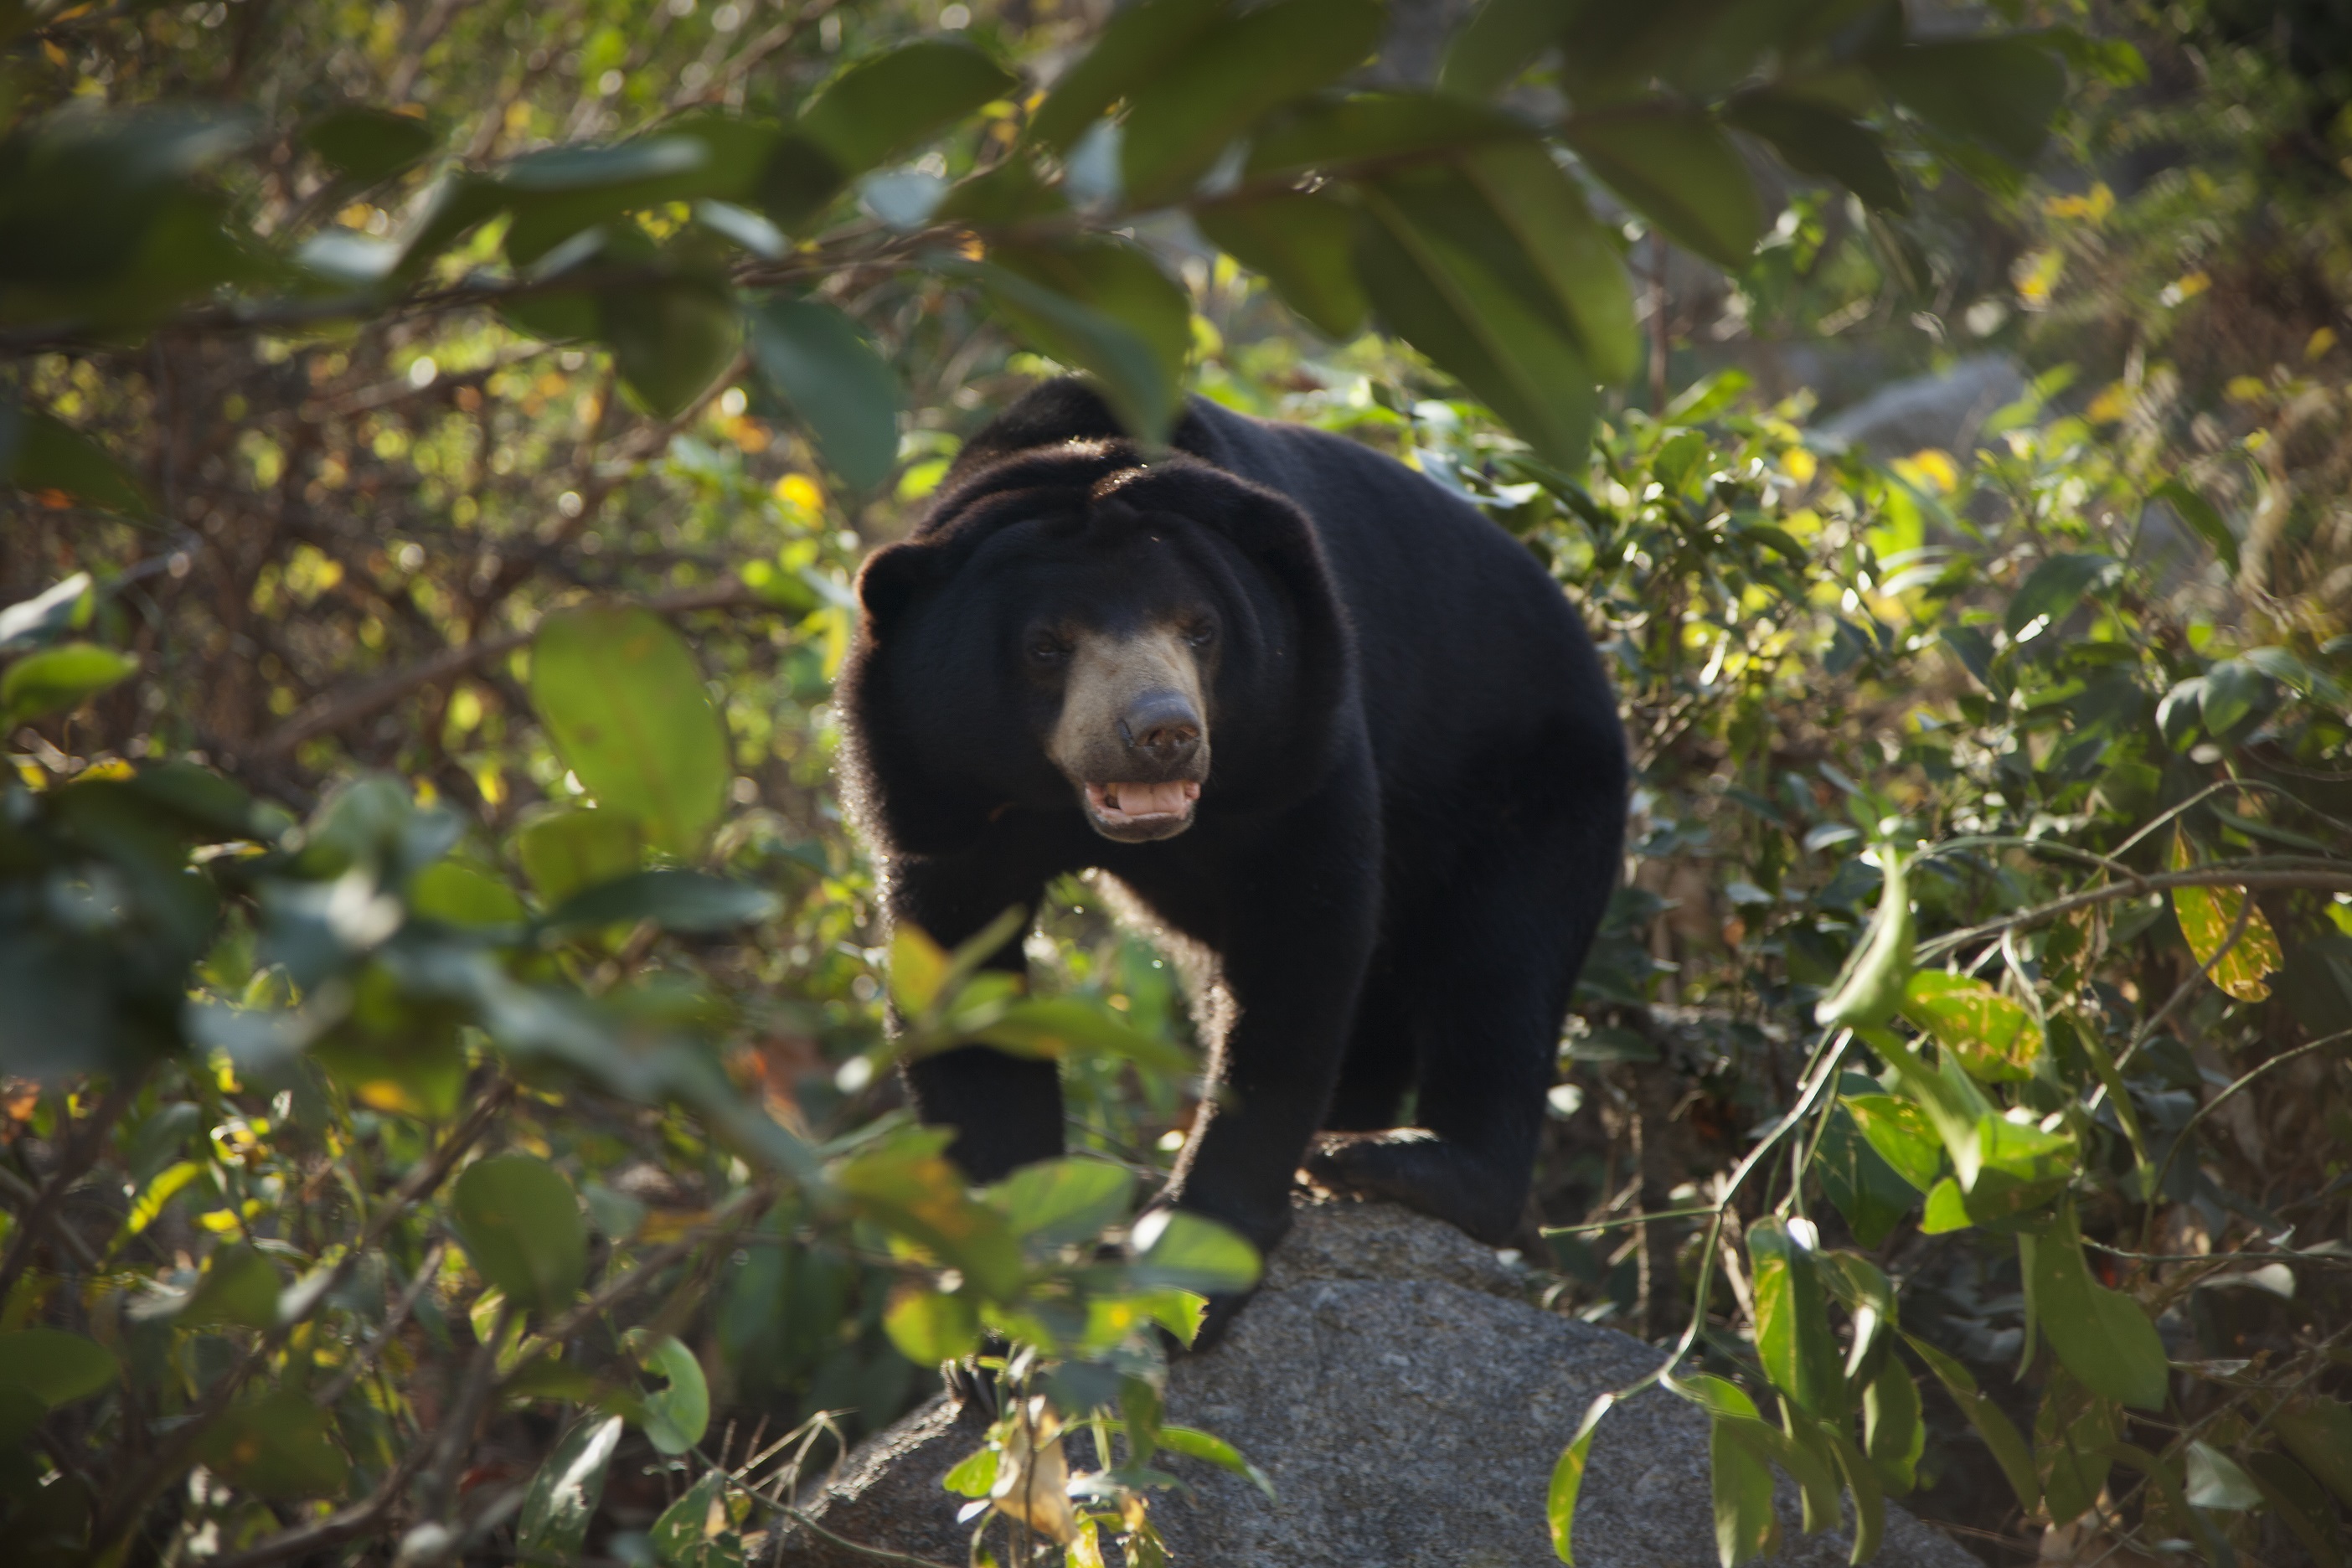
(520, 1224)
(2215, 1480)
(1500, 41)
(671, 338)
(1575, 255)
(2318, 1432)
(1816, 140)
(698, 1530)
(56, 461)
(1304, 245)
(1901, 1134)
(2209, 917)
(1998, 92)
(2102, 1335)
(674, 901)
(1793, 1324)
(2201, 515)
(1135, 45)
(1858, 1181)
(929, 1326)
(1999, 1433)
(64, 606)
(906, 1185)
(1995, 1038)
(2232, 688)
(460, 896)
(280, 1446)
(2055, 587)
(1892, 1435)
(1339, 138)
(365, 145)
(1198, 1445)
(1187, 1252)
(1871, 988)
(2071, 1433)
(565, 1491)
(54, 1367)
(239, 1288)
(564, 848)
(1449, 301)
(625, 708)
(1567, 1479)
(1740, 1483)
(973, 1476)
(415, 1067)
(1117, 280)
(896, 101)
(1062, 1203)
(1069, 1028)
(1869, 1498)
(676, 1415)
(1187, 109)
(1130, 368)
(1677, 168)
(52, 679)
(815, 358)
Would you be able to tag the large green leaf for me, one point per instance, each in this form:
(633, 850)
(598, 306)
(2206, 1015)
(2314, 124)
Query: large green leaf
(1216, 1451)
(564, 848)
(2102, 1335)
(53, 678)
(1305, 246)
(565, 1491)
(1136, 44)
(1060, 1203)
(2318, 1431)
(1449, 301)
(671, 338)
(1130, 368)
(679, 1414)
(1870, 988)
(674, 901)
(1901, 1134)
(1995, 1038)
(1192, 108)
(2056, 588)
(1338, 138)
(1676, 168)
(906, 1185)
(1117, 280)
(365, 145)
(1187, 1252)
(1500, 41)
(1792, 1322)
(1859, 1182)
(1574, 254)
(625, 707)
(280, 1446)
(54, 1367)
(1815, 139)
(1999, 92)
(2073, 1430)
(520, 1224)
(930, 1327)
(2000, 1434)
(239, 1288)
(896, 102)
(1892, 1435)
(837, 386)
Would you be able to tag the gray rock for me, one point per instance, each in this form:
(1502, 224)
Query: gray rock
(1408, 1403)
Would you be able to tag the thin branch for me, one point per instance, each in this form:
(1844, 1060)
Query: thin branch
(82, 1147)
(2253, 880)
(364, 1357)
(337, 710)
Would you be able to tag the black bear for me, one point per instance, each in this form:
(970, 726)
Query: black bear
(1321, 717)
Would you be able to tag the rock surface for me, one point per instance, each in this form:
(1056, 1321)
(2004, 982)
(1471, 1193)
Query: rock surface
(1408, 1403)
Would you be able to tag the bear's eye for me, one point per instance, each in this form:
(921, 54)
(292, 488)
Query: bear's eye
(1048, 650)
(1201, 633)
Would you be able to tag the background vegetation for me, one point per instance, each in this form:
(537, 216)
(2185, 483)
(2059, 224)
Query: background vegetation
(449, 1112)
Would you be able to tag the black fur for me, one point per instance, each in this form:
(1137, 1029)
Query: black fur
(1406, 839)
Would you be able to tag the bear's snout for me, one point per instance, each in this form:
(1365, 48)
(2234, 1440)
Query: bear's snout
(1162, 728)
(1133, 732)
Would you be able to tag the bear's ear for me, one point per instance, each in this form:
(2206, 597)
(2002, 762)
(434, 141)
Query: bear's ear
(890, 579)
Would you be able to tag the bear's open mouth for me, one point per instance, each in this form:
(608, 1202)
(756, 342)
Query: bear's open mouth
(1142, 810)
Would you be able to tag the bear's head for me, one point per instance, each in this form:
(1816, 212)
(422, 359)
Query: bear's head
(1073, 628)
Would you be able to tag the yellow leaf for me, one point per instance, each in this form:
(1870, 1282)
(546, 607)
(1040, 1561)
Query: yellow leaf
(2109, 405)
(2321, 342)
(918, 967)
(1799, 465)
(1032, 1477)
(1086, 1551)
(2246, 389)
(2209, 915)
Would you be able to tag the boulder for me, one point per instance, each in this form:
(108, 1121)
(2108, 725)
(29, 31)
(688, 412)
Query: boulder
(1408, 1401)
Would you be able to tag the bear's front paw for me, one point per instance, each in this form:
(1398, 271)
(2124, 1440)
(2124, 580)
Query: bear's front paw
(1415, 1167)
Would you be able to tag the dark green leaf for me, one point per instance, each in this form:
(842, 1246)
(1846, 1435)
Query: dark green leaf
(1578, 261)
(565, 1491)
(2232, 689)
(1677, 168)
(519, 1221)
(54, 1367)
(837, 386)
(1999, 1433)
(2318, 1431)
(1059, 1203)
(1136, 44)
(1500, 41)
(674, 901)
(2056, 588)
(1118, 280)
(280, 1446)
(1191, 108)
(2201, 515)
(565, 849)
(671, 338)
(1872, 985)
(1305, 246)
(1817, 139)
(697, 1531)
(60, 464)
(1868, 1190)
(1337, 138)
(896, 102)
(365, 144)
(53, 678)
(1892, 1435)
(239, 1288)
(2071, 1432)
(2102, 1335)
(625, 707)
(1127, 367)
(1998, 92)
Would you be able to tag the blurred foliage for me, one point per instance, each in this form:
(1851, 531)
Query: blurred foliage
(450, 1111)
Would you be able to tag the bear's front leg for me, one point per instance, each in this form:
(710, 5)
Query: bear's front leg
(1297, 934)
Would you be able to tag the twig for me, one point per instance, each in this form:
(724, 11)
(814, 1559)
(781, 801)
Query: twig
(82, 1146)
(365, 1356)
(437, 1487)
(336, 709)
(1627, 1219)
(24, 1192)
(343, 1524)
(2210, 1105)
(2252, 880)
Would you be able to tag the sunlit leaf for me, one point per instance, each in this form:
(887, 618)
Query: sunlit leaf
(1894, 1437)
(1901, 1134)
(1056, 1202)
(1792, 1325)
(2217, 1481)
(625, 707)
(676, 1415)
(1871, 987)
(565, 849)
(906, 1184)
(565, 1491)
(1567, 1479)
(1216, 1451)
(930, 1326)
(61, 677)
(2210, 919)
(1996, 1039)
(1190, 1253)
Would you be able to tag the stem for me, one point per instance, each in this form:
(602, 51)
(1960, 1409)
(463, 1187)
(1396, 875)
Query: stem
(2252, 880)
(82, 1147)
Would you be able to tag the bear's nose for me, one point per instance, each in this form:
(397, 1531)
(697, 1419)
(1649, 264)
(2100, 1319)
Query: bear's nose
(1163, 727)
